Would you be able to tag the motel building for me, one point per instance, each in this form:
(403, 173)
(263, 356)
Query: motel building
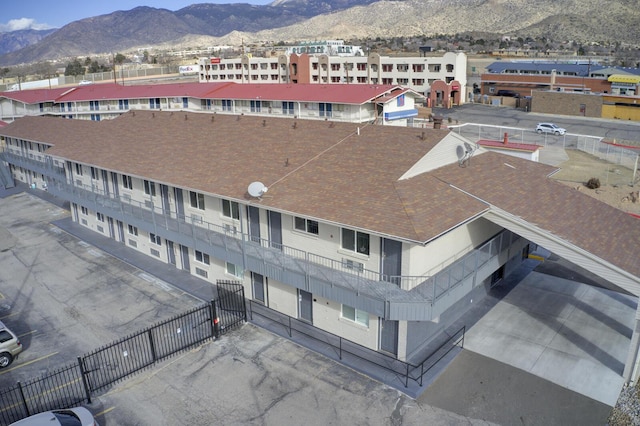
(381, 235)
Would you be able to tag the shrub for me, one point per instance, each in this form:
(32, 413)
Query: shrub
(593, 183)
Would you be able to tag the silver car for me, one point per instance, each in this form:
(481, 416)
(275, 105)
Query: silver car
(10, 346)
(78, 416)
(550, 128)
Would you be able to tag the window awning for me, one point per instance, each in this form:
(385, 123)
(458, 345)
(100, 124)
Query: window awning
(397, 115)
(622, 78)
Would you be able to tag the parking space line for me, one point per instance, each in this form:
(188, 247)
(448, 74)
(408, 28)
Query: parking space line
(28, 363)
(103, 412)
(1, 296)
(10, 315)
(27, 333)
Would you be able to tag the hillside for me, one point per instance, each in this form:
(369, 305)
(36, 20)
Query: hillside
(294, 20)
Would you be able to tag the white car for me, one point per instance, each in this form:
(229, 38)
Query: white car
(78, 416)
(550, 128)
(85, 82)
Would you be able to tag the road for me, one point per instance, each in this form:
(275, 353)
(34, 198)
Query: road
(504, 116)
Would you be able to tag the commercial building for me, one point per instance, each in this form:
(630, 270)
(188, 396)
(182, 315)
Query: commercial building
(442, 79)
(381, 235)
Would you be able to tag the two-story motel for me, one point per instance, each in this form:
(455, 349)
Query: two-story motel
(382, 104)
(381, 235)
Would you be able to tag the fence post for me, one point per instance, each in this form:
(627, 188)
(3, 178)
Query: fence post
(87, 391)
(24, 400)
(215, 319)
(244, 303)
(152, 346)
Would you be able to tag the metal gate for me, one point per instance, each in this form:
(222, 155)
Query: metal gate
(230, 305)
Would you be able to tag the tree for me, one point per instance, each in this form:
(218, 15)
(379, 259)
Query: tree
(87, 61)
(120, 58)
(4, 72)
(74, 68)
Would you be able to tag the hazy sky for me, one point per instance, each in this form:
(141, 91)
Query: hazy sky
(43, 14)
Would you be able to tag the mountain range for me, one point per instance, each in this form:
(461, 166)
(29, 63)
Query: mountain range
(209, 24)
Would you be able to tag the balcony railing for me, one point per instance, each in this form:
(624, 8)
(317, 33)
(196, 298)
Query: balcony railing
(382, 295)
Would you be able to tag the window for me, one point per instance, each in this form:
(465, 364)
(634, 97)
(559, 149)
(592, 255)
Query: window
(234, 270)
(355, 315)
(85, 211)
(355, 241)
(325, 109)
(126, 182)
(133, 230)
(306, 225)
(149, 188)
(197, 200)
(95, 174)
(287, 108)
(123, 104)
(154, 103)
(230, 209)
(79, 169)
(202, 257)
(226, 104)
(155, 239)
(100, 217)
(256, 105)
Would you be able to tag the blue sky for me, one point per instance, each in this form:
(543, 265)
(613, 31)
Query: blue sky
(43, 14)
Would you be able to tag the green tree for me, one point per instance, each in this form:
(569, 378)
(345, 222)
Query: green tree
(87, 61)
(74, 68)
(120, 58)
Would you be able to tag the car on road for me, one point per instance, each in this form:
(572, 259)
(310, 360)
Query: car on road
(10, 346)
(550, 128)
(78, 416)
(85, 82)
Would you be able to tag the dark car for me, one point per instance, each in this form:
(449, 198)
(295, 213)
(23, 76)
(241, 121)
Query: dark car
(508, 93)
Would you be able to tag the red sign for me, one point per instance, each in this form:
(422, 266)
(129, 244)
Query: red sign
(215, 60)
(455, 87)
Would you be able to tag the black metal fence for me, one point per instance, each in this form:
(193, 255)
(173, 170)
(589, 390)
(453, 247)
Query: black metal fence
(77, 382)
(330, 344)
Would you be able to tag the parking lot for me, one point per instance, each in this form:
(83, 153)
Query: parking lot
(63, 297)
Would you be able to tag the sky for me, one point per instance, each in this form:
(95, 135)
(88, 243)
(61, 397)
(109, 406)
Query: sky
(44, 14)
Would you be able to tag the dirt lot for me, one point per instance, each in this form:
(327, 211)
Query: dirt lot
(615, 190)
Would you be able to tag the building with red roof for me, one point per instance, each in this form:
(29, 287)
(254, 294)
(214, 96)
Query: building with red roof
(383, 104)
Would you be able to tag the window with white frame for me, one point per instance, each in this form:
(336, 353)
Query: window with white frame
(133, 230)
(197, 200)
(202, 257)
(230, 209)
(234, 270)
(306, 225)
(100, 217)
(355, 315)
(155, 239)
(95, 173)
(127, 183)
(355, 241)
(79, 169)
(150, 188)
(84, 210)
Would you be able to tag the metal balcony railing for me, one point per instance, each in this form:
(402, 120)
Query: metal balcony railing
(342, 281)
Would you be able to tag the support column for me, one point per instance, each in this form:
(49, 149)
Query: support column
(630, 373)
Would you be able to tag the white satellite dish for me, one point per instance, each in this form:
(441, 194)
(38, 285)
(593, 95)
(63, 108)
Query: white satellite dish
(257, 189)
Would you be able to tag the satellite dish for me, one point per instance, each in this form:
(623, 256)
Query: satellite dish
(257, 189)
(468, 148)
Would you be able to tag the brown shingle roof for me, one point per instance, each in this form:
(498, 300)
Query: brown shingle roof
(521, 188)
